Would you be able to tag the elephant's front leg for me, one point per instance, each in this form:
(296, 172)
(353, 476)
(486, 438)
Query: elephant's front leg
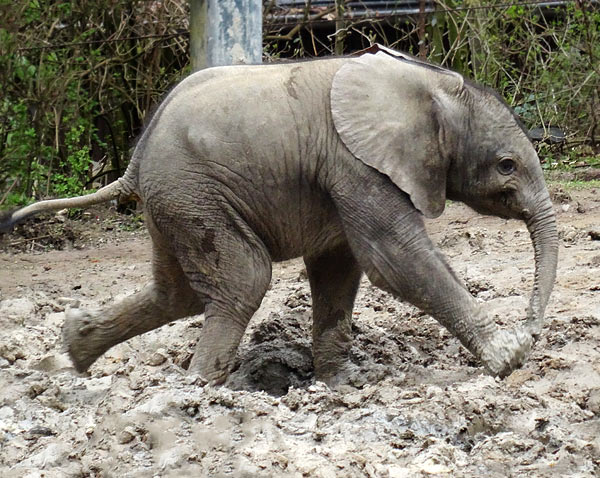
(389, 240)
(334, 277)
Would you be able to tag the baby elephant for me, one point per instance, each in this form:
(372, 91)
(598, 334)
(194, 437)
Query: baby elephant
(335, 160)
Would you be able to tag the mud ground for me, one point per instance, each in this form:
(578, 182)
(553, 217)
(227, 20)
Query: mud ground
(422, 407)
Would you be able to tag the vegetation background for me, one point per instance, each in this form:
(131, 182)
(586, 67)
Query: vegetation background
(79, 78)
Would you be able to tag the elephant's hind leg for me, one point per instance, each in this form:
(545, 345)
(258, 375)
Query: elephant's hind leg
(334, 277)
(233, 274)
(87, 335)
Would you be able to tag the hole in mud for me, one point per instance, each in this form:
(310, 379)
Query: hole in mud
(477, 430)
(186, 361)
(276, 378)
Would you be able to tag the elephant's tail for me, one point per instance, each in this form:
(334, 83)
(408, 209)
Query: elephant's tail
(123, 188)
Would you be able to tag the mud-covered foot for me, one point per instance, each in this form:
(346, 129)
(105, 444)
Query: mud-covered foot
(344, 374)
(75, 334)
(506, 352)
(213, 370)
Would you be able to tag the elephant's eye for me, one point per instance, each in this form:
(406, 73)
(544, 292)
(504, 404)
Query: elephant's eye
(506, 166)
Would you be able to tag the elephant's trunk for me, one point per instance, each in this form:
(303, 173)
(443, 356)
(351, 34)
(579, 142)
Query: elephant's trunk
(544, 236)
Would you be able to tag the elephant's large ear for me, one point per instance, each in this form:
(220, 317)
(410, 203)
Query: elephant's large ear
(389, 112)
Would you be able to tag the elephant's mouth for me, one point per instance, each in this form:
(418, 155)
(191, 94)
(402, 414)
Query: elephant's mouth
(500, 205)
(506, 205)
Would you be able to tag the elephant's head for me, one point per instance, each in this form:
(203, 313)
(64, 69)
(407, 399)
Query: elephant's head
(440, 137)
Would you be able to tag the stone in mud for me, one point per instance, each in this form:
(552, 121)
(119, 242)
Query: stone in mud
(16, 309)
(126, 435)
(157, 358)
(53, 363)
(593, 402)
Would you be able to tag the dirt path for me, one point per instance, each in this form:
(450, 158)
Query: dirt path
(423, 406)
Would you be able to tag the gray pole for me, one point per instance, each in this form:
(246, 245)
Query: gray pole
(225, 32)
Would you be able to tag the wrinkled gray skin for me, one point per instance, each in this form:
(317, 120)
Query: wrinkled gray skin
(334, 160)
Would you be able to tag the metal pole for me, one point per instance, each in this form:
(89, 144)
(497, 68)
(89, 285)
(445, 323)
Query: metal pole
(225, 32)
(198, 34)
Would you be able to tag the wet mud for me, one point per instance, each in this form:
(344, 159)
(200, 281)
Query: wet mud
(419, 406)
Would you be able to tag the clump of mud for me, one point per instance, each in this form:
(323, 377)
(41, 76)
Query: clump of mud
(275, 357)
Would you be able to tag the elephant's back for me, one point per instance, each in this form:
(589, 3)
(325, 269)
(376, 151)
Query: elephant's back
(253, 104)
(251, 110)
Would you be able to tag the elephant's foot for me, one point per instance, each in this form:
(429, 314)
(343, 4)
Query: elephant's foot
(210, 373)
(211, 363)
(81, 339)
(343, 372)
(506, 351)
(216, 349)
